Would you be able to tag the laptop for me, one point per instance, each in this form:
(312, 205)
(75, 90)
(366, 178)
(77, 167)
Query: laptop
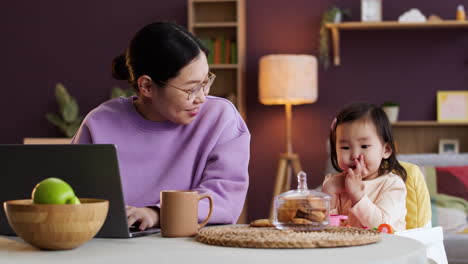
(91, 170)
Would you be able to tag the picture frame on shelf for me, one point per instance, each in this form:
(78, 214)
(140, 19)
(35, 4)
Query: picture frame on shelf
(449, 146)
(452, 106)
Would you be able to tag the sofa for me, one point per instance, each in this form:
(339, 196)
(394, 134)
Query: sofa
(447, 180)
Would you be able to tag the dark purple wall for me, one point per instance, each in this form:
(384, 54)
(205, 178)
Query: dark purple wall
(45, 42)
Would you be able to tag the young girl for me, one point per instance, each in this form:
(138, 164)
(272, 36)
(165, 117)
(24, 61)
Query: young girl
(370, 187)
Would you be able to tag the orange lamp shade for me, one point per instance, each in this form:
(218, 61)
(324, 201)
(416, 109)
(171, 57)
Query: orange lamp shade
(288, 79)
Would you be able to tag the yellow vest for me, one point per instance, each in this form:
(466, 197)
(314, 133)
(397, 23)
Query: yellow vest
(418, 202)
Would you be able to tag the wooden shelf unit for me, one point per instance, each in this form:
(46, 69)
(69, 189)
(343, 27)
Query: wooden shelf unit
(209, 19)
(385, 25)
(424, 136)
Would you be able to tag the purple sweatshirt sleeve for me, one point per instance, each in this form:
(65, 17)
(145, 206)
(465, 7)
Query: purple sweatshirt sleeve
(226, 175)
(83, 136)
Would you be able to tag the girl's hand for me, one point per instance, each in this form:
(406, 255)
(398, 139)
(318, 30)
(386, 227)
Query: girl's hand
(336, 184)
(146, 216)
(353, 183)
(364, 169)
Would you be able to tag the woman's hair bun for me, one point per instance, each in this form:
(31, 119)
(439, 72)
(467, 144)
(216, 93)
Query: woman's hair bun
(119, 68)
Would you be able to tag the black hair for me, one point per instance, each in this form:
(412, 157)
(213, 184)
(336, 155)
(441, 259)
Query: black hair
(159, 50)
(356, 111)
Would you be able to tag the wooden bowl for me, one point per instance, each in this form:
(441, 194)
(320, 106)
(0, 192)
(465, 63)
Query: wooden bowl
(56, 226)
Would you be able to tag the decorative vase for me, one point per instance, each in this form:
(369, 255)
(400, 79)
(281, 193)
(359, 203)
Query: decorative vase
(392, 113)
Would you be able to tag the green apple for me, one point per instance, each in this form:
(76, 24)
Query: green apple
(54, 191)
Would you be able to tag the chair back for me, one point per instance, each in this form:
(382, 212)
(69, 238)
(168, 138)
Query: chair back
(418, 202)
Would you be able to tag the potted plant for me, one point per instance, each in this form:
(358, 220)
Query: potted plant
(391, 109)
(332, 15)
(69, 119)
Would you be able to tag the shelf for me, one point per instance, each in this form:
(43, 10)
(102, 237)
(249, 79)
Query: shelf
(427, 123)
(214, 24)
(223, 66)
(385, 25)
(397, 25)
(424, 136)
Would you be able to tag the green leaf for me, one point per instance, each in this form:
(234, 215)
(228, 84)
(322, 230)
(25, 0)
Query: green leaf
(119, 92)
(70, 111)
(70, 131)
(73, 127)
(78, 121)
(62, 96)
(116, 92)
(130, 92)
(55, 119)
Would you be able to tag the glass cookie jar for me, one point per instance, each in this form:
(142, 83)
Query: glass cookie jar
(301, 209)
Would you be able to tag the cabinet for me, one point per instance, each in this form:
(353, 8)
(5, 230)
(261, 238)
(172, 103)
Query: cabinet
(424, 136)
(220, 24)
(386, 25)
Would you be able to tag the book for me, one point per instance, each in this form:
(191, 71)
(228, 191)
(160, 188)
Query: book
(227, 51)
(217, 50)
(208, 43)
(233, 56)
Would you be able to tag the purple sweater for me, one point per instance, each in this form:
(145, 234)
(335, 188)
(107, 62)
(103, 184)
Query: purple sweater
(209, 155)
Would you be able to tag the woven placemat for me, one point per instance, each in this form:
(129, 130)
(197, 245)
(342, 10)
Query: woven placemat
(269, 237)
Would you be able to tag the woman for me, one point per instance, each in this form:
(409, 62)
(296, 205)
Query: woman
(172, 135)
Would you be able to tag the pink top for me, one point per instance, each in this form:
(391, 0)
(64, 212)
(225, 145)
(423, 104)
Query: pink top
(384, 201)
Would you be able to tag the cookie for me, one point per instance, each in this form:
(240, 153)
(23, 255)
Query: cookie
(261, 223)
(286, 215)
(301, 221)
(311, 214)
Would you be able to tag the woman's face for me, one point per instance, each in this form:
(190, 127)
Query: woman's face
(170, 103)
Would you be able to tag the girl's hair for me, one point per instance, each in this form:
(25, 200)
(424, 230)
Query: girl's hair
(356, 111)
(159, 50)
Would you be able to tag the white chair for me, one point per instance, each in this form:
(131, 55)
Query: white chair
(432, 238)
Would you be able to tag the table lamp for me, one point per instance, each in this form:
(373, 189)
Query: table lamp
(286, 79)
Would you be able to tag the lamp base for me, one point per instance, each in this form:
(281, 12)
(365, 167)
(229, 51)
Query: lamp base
(288, 162)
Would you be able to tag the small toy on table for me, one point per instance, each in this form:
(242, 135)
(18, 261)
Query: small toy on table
(335, 220)
(385, 228)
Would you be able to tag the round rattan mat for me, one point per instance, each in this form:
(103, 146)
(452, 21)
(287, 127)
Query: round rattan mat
(269, 237)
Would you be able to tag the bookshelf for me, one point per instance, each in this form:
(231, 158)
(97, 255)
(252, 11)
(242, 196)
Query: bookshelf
(220, 25)
(424, 136)
(385, 25)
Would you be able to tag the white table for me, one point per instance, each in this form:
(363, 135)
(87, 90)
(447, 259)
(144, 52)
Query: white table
(158, 250)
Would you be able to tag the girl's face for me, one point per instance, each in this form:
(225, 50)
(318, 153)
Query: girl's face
(357, 138)
(170, 103)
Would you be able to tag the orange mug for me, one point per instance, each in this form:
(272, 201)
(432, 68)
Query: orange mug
(179, 213)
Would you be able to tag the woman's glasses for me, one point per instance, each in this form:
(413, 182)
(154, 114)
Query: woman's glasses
(205, 86)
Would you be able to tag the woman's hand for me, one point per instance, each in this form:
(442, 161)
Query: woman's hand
(353, 181)
(335, 184)
(146, 216)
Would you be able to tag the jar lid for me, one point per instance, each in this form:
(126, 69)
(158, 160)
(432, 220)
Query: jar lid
(302, 191)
